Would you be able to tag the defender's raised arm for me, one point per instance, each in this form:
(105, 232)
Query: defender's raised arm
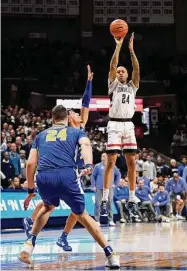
(86, 98)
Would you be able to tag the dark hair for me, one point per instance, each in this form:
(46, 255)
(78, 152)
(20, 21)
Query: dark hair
(59, 112)
(22, 134)
(182, 157)
(161, 184)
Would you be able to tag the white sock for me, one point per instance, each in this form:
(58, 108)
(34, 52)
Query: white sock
(131, 195)
(105, 194)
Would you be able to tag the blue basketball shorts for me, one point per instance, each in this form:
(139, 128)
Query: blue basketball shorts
(61, 184)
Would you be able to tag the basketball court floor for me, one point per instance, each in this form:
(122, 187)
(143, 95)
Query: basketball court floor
(141, 247)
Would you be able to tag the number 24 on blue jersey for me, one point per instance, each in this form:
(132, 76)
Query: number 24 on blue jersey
(52, 135)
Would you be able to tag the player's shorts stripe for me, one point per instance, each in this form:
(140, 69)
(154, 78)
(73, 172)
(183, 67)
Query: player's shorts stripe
(122, 145)
(114, 145)
(129, 144)
(80, 186)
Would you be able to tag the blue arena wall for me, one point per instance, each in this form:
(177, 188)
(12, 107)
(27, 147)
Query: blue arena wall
(12, 211)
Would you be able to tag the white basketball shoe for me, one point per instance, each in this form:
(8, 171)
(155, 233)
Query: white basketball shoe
(113, 261)
(26, 252)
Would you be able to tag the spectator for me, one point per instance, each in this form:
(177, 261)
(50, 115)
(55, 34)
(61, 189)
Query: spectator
(9, 142)
(177, 137)
(3, 142)
(15, 185)
(149, 168)
(173, 167)
(5, 129)
(143, 193)
(8, 169)
(160, 179)
(161, 167)
(121, 195)
(23, 139)
(97, 180)
(103, 144)
(48, 120)
(33, 133)
(145, 179)
(13, 136)
(3, 136)
(144, 156)
(154, 186)
(15, 159)
(177, 189)
(161, 202)
(18, 144)
(152, 155)
(165, 179)
(182, 165)
(139, 164)
(23, 162)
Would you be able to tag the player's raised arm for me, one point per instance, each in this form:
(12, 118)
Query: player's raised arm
(135, 63)
(86, 98)
(115, 59)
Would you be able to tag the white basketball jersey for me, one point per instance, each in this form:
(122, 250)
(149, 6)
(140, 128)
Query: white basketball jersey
(122, 99)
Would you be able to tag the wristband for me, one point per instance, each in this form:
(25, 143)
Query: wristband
(30, 190)
(88, 166)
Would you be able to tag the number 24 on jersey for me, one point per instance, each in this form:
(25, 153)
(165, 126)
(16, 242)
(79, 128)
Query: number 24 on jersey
(52, 135)
(125, 99)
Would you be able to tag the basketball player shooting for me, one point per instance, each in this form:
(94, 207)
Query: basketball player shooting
(121, 134)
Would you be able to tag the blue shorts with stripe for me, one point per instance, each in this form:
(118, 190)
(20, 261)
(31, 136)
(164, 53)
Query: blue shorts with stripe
(61, 184)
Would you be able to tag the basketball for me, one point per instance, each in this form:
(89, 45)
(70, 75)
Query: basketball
(119, 28)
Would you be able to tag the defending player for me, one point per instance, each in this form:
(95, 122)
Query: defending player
(121, 134)
(53, 154)
(77, 122)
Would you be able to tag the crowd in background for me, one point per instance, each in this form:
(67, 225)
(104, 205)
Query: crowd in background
(20, 127)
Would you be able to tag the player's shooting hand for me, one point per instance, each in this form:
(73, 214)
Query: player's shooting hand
(90, 73)
(119, 41)
(28, 199)
(131, 43)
